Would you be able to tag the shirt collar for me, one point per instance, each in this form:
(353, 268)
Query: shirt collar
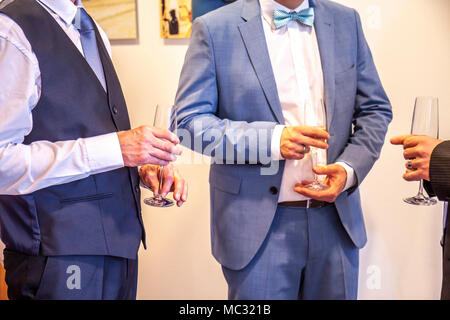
(65, 9)
(269, 6)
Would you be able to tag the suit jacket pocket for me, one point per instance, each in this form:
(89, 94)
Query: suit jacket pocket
(87, 198)
(345, 74)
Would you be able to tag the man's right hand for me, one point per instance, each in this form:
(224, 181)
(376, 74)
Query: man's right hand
(296, 141)
(148, 145)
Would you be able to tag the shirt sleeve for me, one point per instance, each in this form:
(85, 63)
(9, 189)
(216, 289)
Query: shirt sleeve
(28, 168)
(351, 177)
(275, 144)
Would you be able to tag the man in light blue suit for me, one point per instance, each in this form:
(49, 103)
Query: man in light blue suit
(249, 96)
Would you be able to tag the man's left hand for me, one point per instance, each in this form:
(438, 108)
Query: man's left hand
(418, 150)
(172, 182)
(336, 180)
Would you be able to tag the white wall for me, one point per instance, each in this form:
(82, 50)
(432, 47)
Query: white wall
(411, 46)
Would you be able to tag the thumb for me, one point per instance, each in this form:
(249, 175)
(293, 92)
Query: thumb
(325, 170)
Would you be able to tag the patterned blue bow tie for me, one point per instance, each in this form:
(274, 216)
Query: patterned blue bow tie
(282, 18)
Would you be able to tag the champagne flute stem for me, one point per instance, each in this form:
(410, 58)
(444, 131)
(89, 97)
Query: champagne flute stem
(161, 176)
(314, 164)
(420, 188)
(316, 178)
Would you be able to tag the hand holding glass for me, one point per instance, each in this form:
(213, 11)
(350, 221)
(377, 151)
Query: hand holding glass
(317, 117)
(165, 118)
(425, 122)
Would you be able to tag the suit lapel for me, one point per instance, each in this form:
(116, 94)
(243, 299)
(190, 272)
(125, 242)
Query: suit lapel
(324, 27)
(252, 33)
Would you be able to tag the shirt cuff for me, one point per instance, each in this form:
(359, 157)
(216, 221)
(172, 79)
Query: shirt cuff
(351, 178)
(275, 144)
(103, 153)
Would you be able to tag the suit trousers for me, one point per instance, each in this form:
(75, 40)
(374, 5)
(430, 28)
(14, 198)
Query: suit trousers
(307, 254)
(69, 277)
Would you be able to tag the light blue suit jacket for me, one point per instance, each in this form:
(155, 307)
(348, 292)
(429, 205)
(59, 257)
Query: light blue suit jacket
(227, 86)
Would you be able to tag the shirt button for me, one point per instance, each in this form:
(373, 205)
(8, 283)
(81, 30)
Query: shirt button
(115, 110)
(273, 190)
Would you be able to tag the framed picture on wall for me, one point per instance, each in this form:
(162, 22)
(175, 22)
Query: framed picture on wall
(117, 17)
(175, 18)
(3, 3)
(200, 7)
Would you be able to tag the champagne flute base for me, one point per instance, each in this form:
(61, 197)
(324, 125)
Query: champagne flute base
(159, 202)
(421, 200)
(317, 186)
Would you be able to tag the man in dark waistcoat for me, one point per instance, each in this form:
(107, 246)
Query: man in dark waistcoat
(70, 214)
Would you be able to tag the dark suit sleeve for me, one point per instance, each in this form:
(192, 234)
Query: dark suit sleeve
(440, 171)
(429, 188)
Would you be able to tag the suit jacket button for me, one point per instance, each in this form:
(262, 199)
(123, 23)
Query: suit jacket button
(273, 190)
(137, 189)
(115, 110)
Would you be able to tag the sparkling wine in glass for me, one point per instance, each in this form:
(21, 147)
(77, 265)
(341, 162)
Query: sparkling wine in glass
(317, 117)
(425, 122)
(165, 118)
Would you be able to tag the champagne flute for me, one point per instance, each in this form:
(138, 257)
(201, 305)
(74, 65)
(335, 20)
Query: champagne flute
(317, 117)
(166, 118)
(425, 122)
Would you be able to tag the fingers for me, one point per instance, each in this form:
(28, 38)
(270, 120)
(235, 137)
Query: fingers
(165, 134)
(408, 141)
(300, 139)
(310, 136)
(150, 177)
(412, 153)
(329, 195)
(185, 194)
(415, 163)
(168, 180)
(180, 192)
(172, 181)
(412, 141)
(180, 189)
(295, 152)
(161, 155)
(301, 149)
(165, 146)
(160, 149)
(313, 132)
(419, 170)
(413, 175)
(149, 159)
(398, 140)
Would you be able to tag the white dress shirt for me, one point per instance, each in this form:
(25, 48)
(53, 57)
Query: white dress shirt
(27, 168)
(296, 63)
